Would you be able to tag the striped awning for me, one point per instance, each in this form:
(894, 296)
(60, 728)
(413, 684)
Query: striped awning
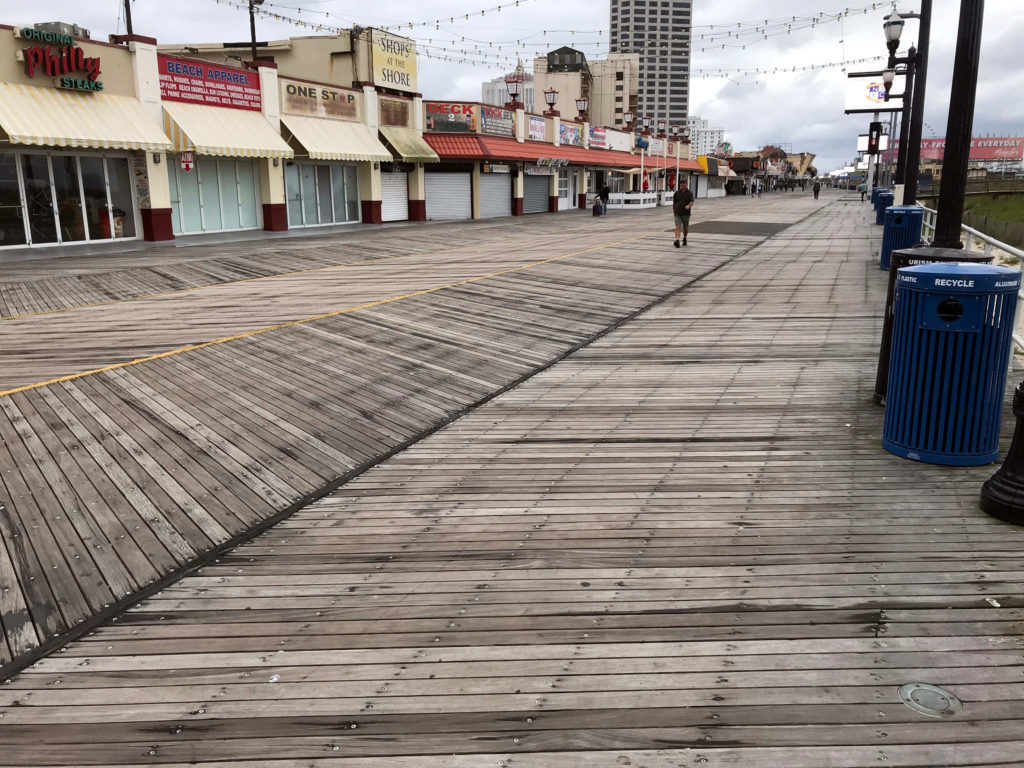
(409, 145)
(324, 139)
(53, 117)
(222, 131)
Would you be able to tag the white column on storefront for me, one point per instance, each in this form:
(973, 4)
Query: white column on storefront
(271, 170)
(520, 125)
(369, 173)
(147, 90)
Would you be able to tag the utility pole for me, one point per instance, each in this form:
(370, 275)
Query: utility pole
(128, 16)
(957, 156)
(252, 25)
(917, 108)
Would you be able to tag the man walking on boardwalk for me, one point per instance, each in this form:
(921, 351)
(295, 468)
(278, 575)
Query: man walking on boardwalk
(682, 202)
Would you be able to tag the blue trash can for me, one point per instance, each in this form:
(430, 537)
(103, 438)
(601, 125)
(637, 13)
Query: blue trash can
(885, 199)
(874, 196)
(947, 371)
(902, 230)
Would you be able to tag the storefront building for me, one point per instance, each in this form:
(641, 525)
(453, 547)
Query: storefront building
(325, 126)
(402, 180)
(227, 172)
(74, 141)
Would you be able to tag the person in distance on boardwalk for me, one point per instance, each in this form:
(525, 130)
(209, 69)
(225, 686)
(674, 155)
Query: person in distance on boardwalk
(682, 202)
(816, 188)
(604, 194)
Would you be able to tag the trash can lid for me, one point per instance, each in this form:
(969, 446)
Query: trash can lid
(959, 278)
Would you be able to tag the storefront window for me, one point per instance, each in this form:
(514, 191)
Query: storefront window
(35, 172)
(323, 188)
(12, 222)
(228, 195)
(291, 179)
(94, 190)
(308, 173)
(69, 198)
(247, 202)
(209, 192)
(121, 197)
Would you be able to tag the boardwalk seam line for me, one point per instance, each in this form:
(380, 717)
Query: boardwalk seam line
(321, 316)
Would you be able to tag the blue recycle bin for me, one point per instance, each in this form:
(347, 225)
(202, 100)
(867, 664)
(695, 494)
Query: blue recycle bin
(902, 230)
(885, 199)
(951, 343)
(875, 191)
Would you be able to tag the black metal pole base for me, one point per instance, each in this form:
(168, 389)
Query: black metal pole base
(1002, 496)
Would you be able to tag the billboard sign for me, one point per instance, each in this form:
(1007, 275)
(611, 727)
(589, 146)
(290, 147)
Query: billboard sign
(393, 61)
(538, 128)
(199, 82)
(865, 92)
(315, 100)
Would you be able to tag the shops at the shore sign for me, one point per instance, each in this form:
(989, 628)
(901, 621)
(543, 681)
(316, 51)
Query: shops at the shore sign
(67, 64)
(393, 61)
(199, 82)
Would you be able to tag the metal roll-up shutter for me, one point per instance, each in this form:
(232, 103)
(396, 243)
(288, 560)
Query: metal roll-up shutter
(394, 196)
(535, 194)
(495, 195)
(449, 196)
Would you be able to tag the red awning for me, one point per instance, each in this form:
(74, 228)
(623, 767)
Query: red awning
(472, 147)
(670, 162)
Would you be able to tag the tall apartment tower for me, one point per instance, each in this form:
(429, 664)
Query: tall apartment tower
(658, 30)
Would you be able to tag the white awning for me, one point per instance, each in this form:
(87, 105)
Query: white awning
(222, 131)
(54, 117)
(409, 144)
(325, 139)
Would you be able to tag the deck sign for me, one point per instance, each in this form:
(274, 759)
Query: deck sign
(199, 82)
(67, 64)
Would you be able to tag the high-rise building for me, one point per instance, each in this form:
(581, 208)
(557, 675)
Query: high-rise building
(704, 138)
(658, 30)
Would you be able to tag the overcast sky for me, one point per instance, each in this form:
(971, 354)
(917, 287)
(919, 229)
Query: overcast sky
(803, 109)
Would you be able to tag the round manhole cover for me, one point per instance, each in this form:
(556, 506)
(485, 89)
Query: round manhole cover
(930, 700)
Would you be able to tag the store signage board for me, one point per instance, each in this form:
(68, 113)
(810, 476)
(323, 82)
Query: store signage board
(598, 138)
(540, 169)
(67, 64)
(865, 92)
(982, 148)
(497, 121)
(199, 82)
(570, 133)
(450, 117)
(393, 61)
(538, 128)
(394, 112)
(186, 159)
(496, 168)
(862, 142)
(657, 147)
(324, 101)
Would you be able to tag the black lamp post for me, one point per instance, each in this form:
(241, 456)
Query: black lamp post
(646, 120)
(514, 83)
(627, 120)
(916, 61)
(551, 97)
(661, 127)
(957, 156)
(581, 108)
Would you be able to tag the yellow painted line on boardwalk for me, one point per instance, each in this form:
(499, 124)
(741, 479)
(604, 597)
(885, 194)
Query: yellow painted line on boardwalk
(290, 323)
(292, 273)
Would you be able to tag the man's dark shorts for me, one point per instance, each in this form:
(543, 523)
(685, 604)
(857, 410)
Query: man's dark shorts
(682, 219)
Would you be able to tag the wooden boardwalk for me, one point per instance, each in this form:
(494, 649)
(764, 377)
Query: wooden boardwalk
(187, 420)
(679, 545)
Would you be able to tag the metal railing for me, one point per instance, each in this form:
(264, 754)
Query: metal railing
(988, 245)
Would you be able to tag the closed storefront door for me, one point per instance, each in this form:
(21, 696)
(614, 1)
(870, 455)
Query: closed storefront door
(495, 195)
(321, 193)
(449, 196)
(217, 194)
(535, 194)
(54, 198)
(564, 192)
(394, 196)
